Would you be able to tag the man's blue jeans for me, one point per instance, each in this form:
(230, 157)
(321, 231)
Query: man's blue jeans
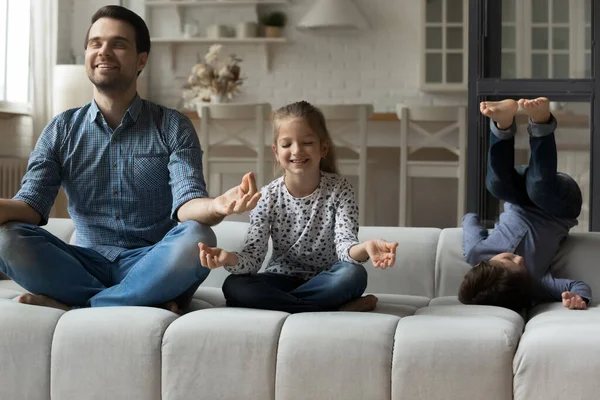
(76, 276)
(537, 184)
(325, 292)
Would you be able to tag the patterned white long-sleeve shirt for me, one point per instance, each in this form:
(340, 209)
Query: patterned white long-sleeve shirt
(309, 234)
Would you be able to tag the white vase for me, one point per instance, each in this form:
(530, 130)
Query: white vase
(217, 99)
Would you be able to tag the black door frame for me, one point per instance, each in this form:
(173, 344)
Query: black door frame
(485, 33)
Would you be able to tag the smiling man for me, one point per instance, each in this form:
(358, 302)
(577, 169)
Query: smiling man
(131, 170)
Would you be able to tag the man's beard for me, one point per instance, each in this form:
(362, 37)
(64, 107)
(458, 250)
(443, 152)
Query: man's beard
(118, 84)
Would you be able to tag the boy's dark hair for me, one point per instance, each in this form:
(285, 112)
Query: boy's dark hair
(142, 35)
(490, 283)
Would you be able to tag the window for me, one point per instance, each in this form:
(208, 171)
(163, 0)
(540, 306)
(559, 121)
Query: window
(546, 39)
(14, 55)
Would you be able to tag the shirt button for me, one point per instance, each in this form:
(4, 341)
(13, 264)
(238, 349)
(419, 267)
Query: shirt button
(117, 218)
(115, 165)
(115, 192)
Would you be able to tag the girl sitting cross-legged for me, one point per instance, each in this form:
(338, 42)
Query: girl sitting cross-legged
(312, 217)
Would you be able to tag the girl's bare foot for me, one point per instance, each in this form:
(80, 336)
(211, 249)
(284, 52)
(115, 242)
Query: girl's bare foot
(41, 300)
(501, 112)
(537, 109)
(362, 304)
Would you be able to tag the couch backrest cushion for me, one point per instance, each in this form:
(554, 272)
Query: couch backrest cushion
(450, 265)
(413, 273)
(63, 228)
(579, 259)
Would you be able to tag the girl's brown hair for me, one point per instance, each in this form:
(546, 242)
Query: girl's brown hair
(315, 119)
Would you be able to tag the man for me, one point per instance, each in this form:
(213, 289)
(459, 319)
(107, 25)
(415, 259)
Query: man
(131, 169)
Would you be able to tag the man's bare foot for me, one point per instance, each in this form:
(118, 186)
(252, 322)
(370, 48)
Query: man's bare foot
(501, 112)
(362, 304)
(173, 307)
(537, 109)
(41, 300)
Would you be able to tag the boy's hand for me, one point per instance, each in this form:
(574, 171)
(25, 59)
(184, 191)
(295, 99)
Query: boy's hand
(214, 257)
(381, 252)
(573, 301)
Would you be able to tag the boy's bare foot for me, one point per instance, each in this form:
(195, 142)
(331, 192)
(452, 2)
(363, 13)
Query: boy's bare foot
(362, 304)
(501, 112)
(537, 109)
(41, 300)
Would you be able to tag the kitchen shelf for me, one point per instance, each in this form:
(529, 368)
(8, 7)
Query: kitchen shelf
(264, 43)
(182, 7)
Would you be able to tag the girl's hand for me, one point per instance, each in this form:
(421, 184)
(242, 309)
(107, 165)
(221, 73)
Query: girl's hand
(214, 257)
(381, 252)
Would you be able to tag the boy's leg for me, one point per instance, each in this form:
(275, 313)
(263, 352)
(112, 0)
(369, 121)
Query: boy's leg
(52, 270)
(266, 291)
(334, 288)
(160, 273)
(555, 193)
(502, 180)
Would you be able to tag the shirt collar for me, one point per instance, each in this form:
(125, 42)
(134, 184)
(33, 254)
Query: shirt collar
(134, 109)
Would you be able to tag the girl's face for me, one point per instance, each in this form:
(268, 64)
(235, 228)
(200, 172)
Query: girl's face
(298, 148)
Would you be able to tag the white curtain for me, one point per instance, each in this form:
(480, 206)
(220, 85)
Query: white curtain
(44, 27)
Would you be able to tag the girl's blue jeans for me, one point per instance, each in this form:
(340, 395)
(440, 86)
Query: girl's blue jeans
(325, 292)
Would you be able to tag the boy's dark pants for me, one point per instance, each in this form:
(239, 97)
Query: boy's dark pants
(537, 184)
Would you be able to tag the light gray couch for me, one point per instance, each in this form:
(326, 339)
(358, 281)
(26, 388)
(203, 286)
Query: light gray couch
(420, 343)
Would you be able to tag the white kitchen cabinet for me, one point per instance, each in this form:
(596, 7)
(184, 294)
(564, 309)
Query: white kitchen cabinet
(444, 45)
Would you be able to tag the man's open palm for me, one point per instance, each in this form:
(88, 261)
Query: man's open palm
(240, 198)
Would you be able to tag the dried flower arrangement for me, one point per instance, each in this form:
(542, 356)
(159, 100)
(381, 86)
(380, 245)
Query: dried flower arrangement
(216, 78)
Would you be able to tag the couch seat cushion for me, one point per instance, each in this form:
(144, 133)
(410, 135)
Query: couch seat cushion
(559, 348)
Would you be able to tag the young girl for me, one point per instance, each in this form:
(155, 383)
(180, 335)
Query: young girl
(312, 217)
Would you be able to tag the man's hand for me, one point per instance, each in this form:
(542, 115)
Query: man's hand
(573, 301)
(238, 199)
(381, 252)
(214, 257)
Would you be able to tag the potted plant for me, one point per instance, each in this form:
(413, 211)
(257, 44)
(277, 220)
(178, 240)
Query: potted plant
(216, 79)
(273, 23)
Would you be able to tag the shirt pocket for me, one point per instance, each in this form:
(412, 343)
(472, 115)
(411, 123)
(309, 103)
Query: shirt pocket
(151, 172)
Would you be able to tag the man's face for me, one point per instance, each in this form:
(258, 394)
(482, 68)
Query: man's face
(510, 261)
(111, 59)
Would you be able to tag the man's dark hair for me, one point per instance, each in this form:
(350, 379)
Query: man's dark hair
(490, 283)
(142, 35)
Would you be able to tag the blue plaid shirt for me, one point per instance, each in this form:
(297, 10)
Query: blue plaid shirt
(124, 186)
